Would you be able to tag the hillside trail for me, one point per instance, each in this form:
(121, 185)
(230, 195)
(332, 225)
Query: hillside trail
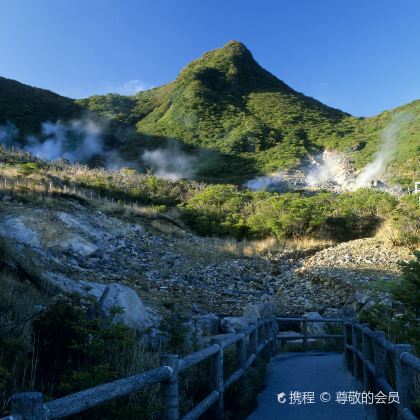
(315, 373)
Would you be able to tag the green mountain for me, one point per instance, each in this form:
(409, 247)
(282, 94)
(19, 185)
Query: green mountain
(228, 109)
(27, 107)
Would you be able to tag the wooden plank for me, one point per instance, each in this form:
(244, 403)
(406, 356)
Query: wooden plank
(357, 365)
(250, 361)
(261, 347)
(197, 357)
(92, 397)
(240, 353)
(310, 320)
(234, 377)
(411, 361)
(305, 335)
(202, 407)
(232, 340)
(384, 385)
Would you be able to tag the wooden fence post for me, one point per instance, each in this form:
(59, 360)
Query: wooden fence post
(218, 381)
(366, 350)
(357, 363)
(305, 335)
(346, 340)
(253, 339)
(403, 374)
(274, 335)
(30, 406)
(267, 350)
(379, 359)
(170, 388)
(241, 353)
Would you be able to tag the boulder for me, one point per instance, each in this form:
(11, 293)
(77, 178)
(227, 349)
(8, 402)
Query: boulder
(314, 328)
(361, 298)
(233, 324)
(134, 314)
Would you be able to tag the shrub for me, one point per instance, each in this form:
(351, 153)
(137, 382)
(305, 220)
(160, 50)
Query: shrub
(405, 219)
(28, 168)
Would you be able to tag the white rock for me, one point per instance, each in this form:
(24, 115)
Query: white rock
(15, 228)
(135, 314)
(361, 298)
(67, 285)
(76, 245)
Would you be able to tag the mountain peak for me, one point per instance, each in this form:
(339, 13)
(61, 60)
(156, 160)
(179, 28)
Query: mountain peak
(230, 65)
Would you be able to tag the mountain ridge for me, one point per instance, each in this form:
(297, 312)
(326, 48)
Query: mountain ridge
(229, 107)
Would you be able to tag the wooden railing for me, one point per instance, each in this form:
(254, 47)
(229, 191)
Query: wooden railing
(259, 338)
(367, 354)
(370, 357)
(305, 336)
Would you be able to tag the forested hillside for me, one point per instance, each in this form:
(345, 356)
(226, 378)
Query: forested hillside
(225, 108)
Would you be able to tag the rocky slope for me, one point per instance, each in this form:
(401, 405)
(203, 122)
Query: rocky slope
(67, 246)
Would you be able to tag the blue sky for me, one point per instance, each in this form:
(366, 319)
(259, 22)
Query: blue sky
(362, 56)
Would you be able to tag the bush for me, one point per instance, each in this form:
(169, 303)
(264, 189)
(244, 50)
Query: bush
(71, 350)
(28, 168)
(224, 210)
(408, 289)
(405, 219)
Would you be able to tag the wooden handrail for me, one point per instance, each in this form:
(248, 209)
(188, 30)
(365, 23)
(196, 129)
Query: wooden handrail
(366, 354)
(260, 337)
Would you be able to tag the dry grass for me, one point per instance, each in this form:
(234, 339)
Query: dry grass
(19, 304)
(254, 248)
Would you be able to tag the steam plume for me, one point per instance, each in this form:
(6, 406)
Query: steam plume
(8, 134)
(387, 151)
(170, 162)
(77, 140)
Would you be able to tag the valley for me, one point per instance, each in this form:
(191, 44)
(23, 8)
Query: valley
(136, 225)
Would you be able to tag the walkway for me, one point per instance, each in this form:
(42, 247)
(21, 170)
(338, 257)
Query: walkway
(308, 372)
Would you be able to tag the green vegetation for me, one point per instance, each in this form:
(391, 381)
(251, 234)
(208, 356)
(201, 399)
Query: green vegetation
(401, 322)
(238, 118)
(223, 210)
(60, 347)
(405, 220)
(226, 103)
(28, 168)
(27, 107)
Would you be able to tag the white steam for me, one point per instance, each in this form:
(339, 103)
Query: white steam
(81, 140)
(386, 152)
(76, 141)
(8, 134)
(266, 182)
(170, 163)
(333, 171)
